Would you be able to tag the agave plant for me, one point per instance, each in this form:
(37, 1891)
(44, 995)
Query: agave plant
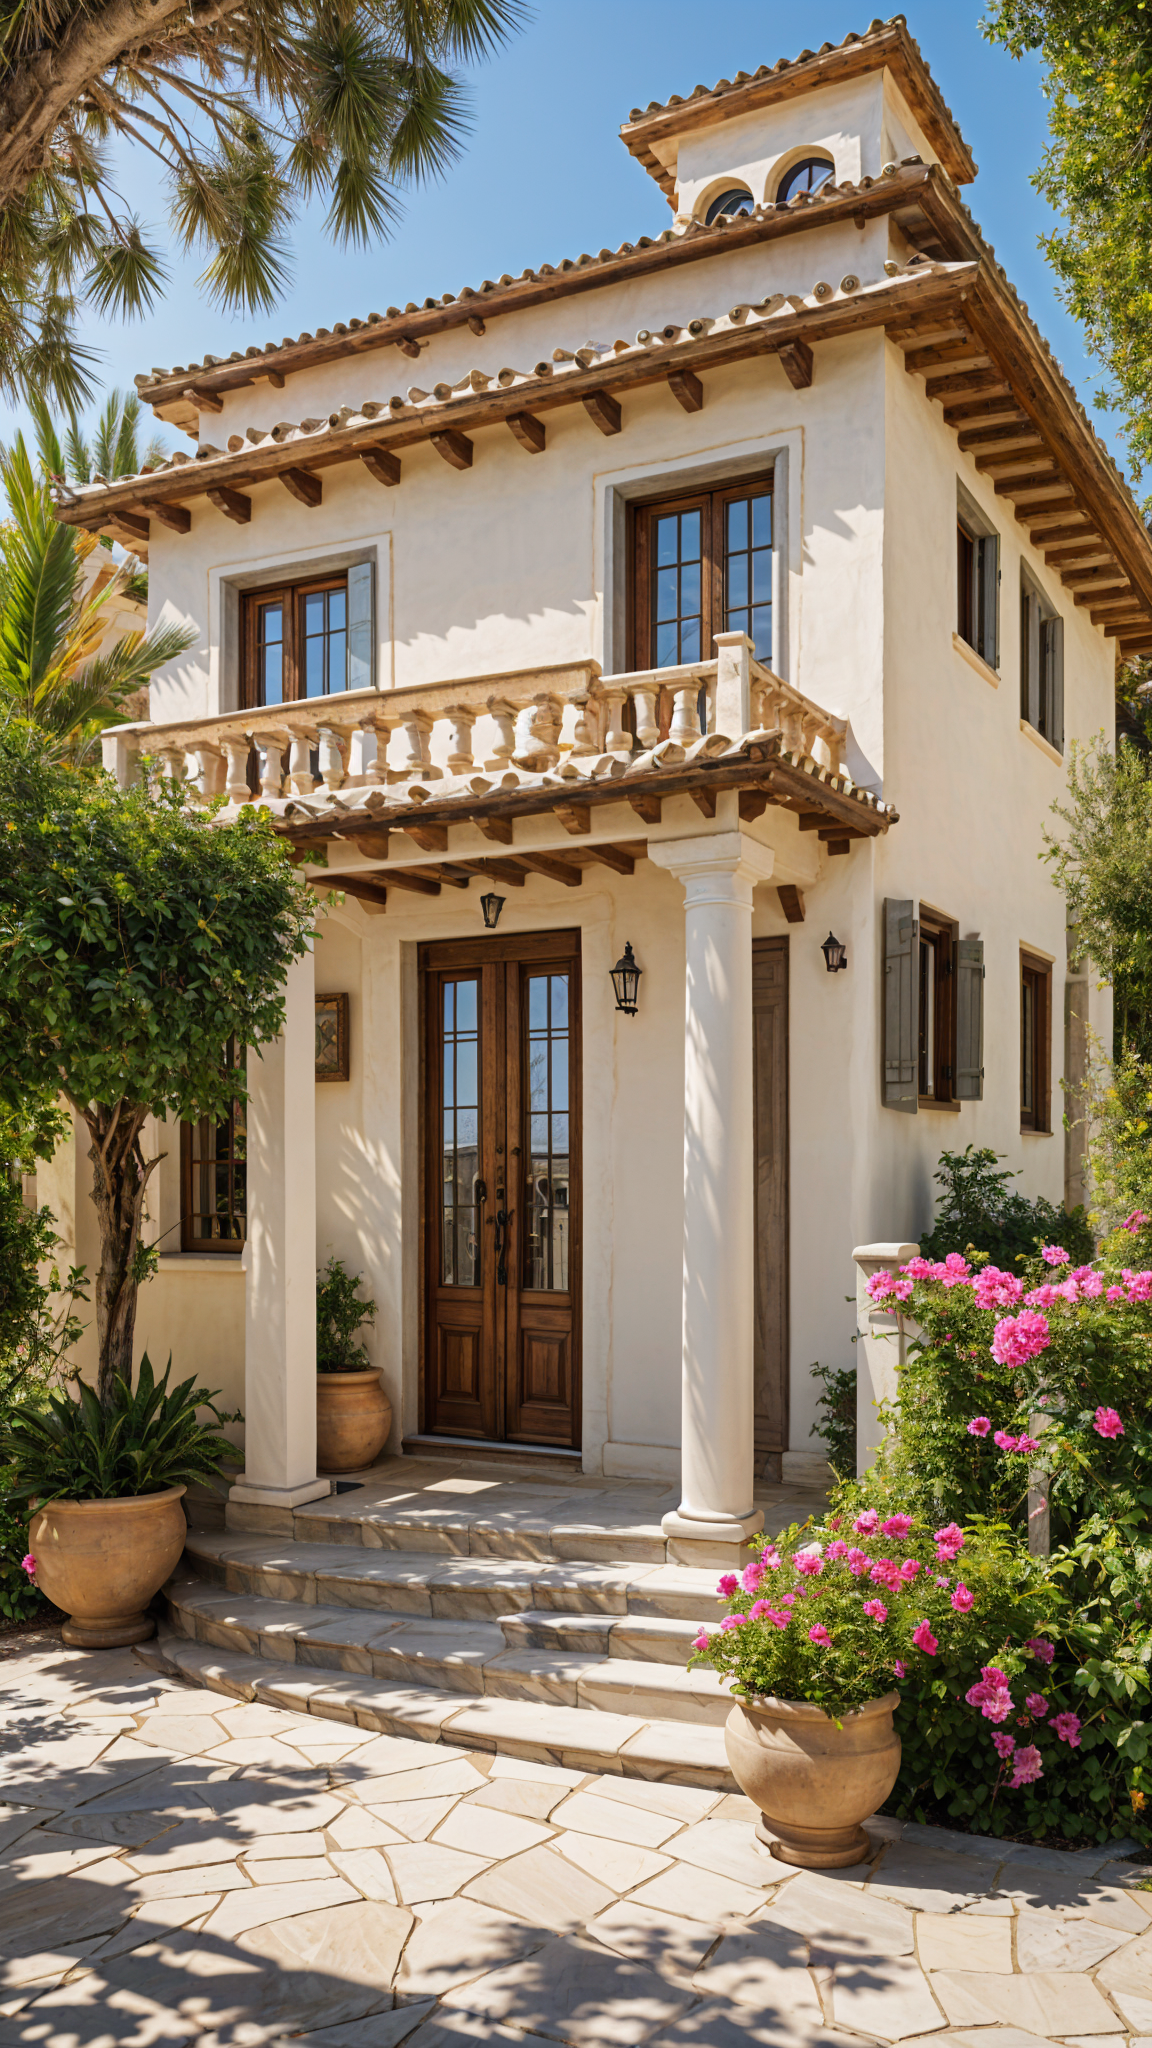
(141, 1440)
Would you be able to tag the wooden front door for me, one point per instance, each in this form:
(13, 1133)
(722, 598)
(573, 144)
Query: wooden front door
(501, 1352)
(770, 1127)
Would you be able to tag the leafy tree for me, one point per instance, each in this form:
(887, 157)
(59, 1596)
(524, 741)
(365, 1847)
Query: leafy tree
(1104, 866)
(1098, 174)
(136, 938)
(978, 1212)
(51, 673)
(246, 111)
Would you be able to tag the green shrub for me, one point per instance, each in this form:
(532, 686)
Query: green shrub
(977, 1212)
(835, 1424)
(142, 1440)
(341, 1310)
(20, 1597)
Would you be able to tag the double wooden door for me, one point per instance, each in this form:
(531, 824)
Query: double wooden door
(501, 1352)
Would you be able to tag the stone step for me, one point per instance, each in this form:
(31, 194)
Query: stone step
(452, 1656)
(649, 1638)
(562, 1533)
(677, 1751)
(448, 1588)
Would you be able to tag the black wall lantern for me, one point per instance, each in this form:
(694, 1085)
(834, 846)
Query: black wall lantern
(492, 905)
(835, 955)
(626, 981)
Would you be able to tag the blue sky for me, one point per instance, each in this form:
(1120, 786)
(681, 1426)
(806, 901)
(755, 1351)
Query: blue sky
(545, 174)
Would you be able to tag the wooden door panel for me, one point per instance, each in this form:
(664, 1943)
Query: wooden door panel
(462, 1391)
(770, 1142)
(541, 1395)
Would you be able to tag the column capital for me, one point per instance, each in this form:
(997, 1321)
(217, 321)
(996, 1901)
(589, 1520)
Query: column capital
(715, 866)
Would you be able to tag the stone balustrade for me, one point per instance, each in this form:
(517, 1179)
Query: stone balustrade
(531, 720)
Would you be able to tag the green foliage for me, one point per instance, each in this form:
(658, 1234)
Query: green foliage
(112, 446)
(1120, 1145)
(1102, 865)
(835, 1423)
(341, 1310)
(35, 1330)
(20, 1598)
(243, 115)
(978, 1212)
(1097, 56)
(146, 1438)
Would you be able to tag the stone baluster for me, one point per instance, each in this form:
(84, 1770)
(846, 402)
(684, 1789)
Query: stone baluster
(833, 735)
(236, 750)
(118, 752)
(332, 764)
(734, 652)
(461, 720)
(503, 716)
(416, 727)
(209, 770)
(644, 697)
(537, 726)
(811, 725)
(270, 747)
(300, 774)
(792, 725)
(579, 735)
(617, 739)
(173, 762)
(685, 726)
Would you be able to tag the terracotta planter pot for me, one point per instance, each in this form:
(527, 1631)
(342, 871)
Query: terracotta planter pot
(102, 1561)
(353, 1418)
(814, 1782)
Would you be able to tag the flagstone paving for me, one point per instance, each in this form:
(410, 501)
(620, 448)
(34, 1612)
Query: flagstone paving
(179, 1869)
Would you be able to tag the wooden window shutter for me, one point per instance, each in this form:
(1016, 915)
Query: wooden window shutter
(901, 966)
(989, 596)
(361, 626)
(968, 1084)
(1054, 679)
(1031, 654)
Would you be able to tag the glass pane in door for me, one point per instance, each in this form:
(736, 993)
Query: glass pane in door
(748, 570)
(459, 1232)
(549, 1122)
(677, 588)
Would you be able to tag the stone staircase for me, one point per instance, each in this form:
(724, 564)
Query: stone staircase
(541, 1617)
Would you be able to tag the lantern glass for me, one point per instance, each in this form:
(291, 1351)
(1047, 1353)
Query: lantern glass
(626, 981)
(492, 905)
(835, 955)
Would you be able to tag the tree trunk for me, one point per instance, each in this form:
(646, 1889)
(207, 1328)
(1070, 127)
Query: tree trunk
(119, 1178)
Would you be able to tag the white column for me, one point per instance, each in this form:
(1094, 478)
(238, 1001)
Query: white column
(716, 1456)
(280, 1260)
(881, 1350)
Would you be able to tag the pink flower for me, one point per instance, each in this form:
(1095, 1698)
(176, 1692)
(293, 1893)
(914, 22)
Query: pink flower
(899, 1668)
(942, 1579)
(880, 1286)
(1054, 1255)
(910, 1569)
(764, 1611)
(1134, 1222)
(1139, 1286)
(876, 1611)
(1067, 1727)
(1003, 1441)
(994, 1289)
(924, 1639)
(727, 1586)
(820, 1635)
(1003, 1745)
(700, 1642)
(1116, 1294)
(808, 1563)
(1027, 1767)
(991, 1695)
(837, 1550)
(787, 1599)
(867, 1523)
(1037, 1706)
(949, 1541)
(886, 1572)
(919, 1269)
(896, 1526)
(1019, 1338)
(1028, 1444)
(962, 1599)
(28, 1564)
(979, 1426)
(733, 1621)
(1091, 1284)
(751, 1575)
(857, 1562)
(1108, 1423)
(1043, 1297)
(954, 1272)
(1041, 1648)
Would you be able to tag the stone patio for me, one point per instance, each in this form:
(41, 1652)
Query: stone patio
(178, 1867)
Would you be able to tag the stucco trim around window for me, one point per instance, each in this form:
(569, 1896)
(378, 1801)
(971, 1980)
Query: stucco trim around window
(227, 582)
(1038, 740)
(975, 661)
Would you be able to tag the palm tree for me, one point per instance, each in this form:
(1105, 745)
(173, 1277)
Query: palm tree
(53, 673)
(112, 448)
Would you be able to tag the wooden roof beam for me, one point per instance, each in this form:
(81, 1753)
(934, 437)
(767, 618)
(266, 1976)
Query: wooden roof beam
(1040, 536)
(382, 464)
(686, 387)
(529, 431)
(964, 351)
(1085, 552)
(796, 361)
(604, 409)
(1001, 433)
(365, 889)
(233, 504)
(969, 410)
(176, 517)
(613, 857)
(429, 838)
(969, 384)
(1090, 580)
(418, 885)
(202, 399)
(497, 870)
(301, 485)
(455, 447)
(1088, 597)
(554, 866)
(1045, 505)
(647, 807)
(499, 830)
(1031, 459)
(1019, 486)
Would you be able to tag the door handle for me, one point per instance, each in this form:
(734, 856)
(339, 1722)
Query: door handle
(481, 1191)
(503, 1223)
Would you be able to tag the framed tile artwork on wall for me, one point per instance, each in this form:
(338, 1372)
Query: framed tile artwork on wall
(332, 1062)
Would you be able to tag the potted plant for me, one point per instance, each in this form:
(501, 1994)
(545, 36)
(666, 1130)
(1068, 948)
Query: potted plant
(353, 1413)
(106, 1481)
(822, 1624)
(137, 938)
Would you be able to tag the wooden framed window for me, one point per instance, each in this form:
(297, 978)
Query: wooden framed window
(213, 1176)
(1035, 1043)
(977, 580)
(1041, 664)
(701, 564)
(313, 638)
(936, 1023)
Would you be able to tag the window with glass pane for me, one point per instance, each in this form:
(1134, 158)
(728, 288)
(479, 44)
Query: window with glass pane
(270, 653)
(214, 1190)
(748, 570)
(549, 1124)
(294, 642)
(324, 627)
(678, 595)
(459, 1232)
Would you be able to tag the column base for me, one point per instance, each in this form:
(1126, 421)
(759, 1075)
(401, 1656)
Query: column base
(694, 1541)
(248, 1493)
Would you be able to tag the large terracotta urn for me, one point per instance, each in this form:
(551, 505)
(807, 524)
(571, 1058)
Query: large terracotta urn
(103, 1560)
(813, 1780)
(353, 1418)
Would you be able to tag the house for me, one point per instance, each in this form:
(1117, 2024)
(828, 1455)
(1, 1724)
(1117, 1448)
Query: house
(679, 604)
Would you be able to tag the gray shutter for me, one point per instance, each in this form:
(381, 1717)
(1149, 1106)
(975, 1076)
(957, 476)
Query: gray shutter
(969, 1082)
(990, 598)
(1031, 653)
(1054, 652)
(361, 626)
(901, 975)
